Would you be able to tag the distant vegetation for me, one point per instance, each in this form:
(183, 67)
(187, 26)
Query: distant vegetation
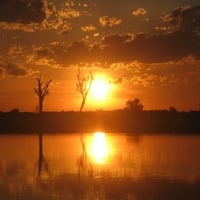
(134, 105)
(159, 121)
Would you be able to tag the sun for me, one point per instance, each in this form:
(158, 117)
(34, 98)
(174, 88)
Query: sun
(99, 88)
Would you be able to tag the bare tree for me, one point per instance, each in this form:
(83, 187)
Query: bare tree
(83, 86)
(41, 91)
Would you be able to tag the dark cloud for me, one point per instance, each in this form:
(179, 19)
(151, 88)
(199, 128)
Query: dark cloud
(144, 48)
(159, 47)
(22, 11)
(115, 48)
(77, 52)
(115, 40)
(156, 47)
(184, 18)
(13, 69)
(1, 72)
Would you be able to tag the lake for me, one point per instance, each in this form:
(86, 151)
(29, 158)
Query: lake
(99, 166)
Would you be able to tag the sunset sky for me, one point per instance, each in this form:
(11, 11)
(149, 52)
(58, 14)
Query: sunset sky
(146, 49)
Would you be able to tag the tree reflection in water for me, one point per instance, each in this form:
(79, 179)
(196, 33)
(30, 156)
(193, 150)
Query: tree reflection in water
(43, 166)
(84, 164)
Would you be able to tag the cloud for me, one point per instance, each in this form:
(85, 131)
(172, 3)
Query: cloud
(68, 13)
(96, 34)
(183, 71)
(15, 51)
(73, 9)
(88, 28)
(123, 48)
(42, 15)
(162, 46)
(12, 69)
(60, 18)
(184, 18)
(110, 21)
(43, 57)
(23, 15)
(1, 73)
(139, 12)
(156, 47)
(28, 17)
(18, 26)
(13, 62)
(145, 48)
(22, 11)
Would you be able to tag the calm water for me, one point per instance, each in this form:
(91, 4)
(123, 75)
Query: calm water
(99, 166)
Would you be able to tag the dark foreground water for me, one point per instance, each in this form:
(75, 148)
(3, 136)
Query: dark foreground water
(99, 166)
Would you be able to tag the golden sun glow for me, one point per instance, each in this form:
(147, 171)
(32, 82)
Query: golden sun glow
(99, 148)
(99, 88)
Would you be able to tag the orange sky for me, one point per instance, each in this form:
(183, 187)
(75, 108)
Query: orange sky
(144, 49)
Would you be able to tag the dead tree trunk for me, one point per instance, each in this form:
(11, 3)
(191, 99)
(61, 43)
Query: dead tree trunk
(83, 86)
(41, 91)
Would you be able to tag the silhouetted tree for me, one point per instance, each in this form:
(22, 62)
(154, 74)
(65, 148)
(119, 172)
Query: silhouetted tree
(83, 85)
(41, 91)
(172, 109)
(14, 111)
(134, 105)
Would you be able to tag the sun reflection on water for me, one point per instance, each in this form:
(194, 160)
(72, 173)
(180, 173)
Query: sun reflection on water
(99, 148)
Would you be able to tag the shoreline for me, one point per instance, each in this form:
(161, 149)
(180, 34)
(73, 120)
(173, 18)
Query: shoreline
(109, 121)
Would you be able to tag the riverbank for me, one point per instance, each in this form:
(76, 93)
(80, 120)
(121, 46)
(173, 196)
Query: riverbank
(159, 121)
